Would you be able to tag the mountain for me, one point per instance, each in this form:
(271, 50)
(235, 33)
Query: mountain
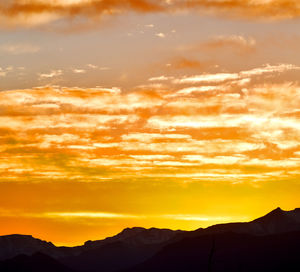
(14, 245)
(131, 246)
(36, 262)
(275, 222)
(227, 251)
(267, 242)
(136, 237)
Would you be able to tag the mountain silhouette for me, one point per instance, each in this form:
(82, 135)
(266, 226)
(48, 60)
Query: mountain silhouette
(36, 262)
(132, 246)
(227, 252)
(14, 245)
(269, 243)
(275, 222)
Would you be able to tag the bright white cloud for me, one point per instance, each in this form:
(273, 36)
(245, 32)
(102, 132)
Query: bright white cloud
(53, 73)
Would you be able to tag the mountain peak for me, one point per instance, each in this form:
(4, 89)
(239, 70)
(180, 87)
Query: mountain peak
(274, 215)
(131, 231)
(15, 244)
(22, 238)
(278, 221)
(277, 211)
(138, 235)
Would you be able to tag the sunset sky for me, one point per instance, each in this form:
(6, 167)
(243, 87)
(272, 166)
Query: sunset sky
(155, 113)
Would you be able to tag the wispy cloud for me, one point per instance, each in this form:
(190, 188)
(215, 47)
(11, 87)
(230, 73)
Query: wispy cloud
(79, 71)
(2, 72)
(92, 66)
(5, 71)
(18, 49)
(160, 78)
(237, 43)
(53, 73)
(222, 77)
(186, 63)
(196, 217)
(90, 215)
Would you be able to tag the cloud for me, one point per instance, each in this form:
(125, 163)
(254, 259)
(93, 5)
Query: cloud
(79, 71)
(2, 72)
(222, 77)
(92, 66)
(195, 217)
(269, 69)
(160, 35)
(5, 71)
(201, 89)
(271, 9)
(150, 137)
(218, 129)
(39, 12)
(90, 215)
(160, 78)
(72, 215)
(18, 49)
(185, 63)
(53, 73)
(235, 42)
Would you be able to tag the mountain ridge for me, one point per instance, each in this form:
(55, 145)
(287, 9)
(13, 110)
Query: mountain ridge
(134, 246)
(128, 232)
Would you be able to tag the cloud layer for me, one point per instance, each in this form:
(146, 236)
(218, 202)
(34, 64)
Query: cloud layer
(208, 126)
(38, 12)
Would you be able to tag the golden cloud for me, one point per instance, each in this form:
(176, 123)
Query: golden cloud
(212, 124)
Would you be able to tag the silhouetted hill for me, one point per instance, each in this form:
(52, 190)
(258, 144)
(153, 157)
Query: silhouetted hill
(14, 245)
(38, 262)
(137, 237)
(228, 252)
(277, 221)
(132, 246)
(263, 244)
(111, 257)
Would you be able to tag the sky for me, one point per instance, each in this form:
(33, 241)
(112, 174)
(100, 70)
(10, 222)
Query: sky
(173, 114)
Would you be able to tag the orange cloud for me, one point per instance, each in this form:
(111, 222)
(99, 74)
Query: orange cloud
(185, 63)
(38, 12)
(210, 123)
(272, 9)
